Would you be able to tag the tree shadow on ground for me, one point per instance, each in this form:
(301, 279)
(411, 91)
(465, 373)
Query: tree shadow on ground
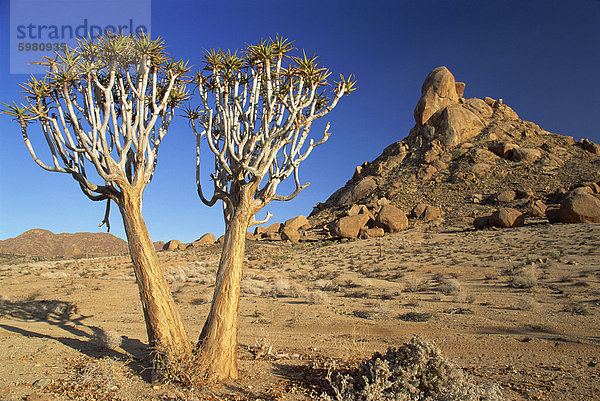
(65, 316)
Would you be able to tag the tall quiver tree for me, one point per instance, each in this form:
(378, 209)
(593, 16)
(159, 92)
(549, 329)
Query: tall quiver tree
(255, 115)
(108, 104)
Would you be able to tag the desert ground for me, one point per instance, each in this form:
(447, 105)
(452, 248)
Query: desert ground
(517, 307)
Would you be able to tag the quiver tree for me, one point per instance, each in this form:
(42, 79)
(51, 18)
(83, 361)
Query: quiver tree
(255, 115)
(107, 104)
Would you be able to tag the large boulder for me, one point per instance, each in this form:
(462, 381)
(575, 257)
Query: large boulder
(507, 217)
(503, 149)
(273, 228)
(349, 226)
(357, 192)
(207, 238)
(438, 91)
(290, 233)
(298, 222)
(173, 245)
(455, 124)
(580, 207)
(391, 219)
(374, 232)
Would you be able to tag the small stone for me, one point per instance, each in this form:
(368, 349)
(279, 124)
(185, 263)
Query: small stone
(506, 196)
(42, 383)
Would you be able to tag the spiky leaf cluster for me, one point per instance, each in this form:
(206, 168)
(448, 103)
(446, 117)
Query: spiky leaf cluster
(257, 108)
(107, 103)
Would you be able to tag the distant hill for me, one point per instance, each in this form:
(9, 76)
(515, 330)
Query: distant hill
(38, 242)
(460, 154)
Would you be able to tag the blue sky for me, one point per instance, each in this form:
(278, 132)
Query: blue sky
(541, 57)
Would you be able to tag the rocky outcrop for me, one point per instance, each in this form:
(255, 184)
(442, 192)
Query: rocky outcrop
(459, 155)
(438, 91)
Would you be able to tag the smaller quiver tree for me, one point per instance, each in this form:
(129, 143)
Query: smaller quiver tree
(108, 104)
(255, 115)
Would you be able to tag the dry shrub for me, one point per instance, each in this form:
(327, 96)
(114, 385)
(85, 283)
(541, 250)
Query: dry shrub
(527, 278)
(187, 371)
(317, 298)
(107, 339)
(414, 371)
(412, 283)
(255, 287)
(449, 286)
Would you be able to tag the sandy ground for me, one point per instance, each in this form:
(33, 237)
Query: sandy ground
(517, 307)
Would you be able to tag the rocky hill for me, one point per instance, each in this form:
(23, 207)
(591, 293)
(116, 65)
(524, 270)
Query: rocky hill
(466, 156)
(39, 242)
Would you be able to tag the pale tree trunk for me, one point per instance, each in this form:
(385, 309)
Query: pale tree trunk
(163, 323)
(218, 340)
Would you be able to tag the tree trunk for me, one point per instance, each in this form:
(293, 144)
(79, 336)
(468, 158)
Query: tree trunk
(218, 340)
(163, 324)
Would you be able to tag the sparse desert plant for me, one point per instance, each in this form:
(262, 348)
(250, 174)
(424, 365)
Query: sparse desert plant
(317, 298)
(577, 308)
(449, 286)
(107, 339)
(412, 283)
(414, 371)
(526, 304)
(527, 278)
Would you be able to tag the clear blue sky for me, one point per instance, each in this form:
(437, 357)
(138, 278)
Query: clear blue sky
(541, 57)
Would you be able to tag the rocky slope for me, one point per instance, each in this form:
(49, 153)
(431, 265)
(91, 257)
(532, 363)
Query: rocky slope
(39, 242)
(461, 155)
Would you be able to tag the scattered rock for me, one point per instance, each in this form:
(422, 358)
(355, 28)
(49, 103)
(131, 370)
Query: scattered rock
(221, 239)
(432, 213)
(506, 196)
(349, 226)
(476, 198)
(42, 383)
(503, 149)
(526, 155)
(250, 236)
(507, 218)
(590, 146)
(418, 210)
(580, 207)
(481, 222)
(374, 232)
(538, 208)
(391, 219)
